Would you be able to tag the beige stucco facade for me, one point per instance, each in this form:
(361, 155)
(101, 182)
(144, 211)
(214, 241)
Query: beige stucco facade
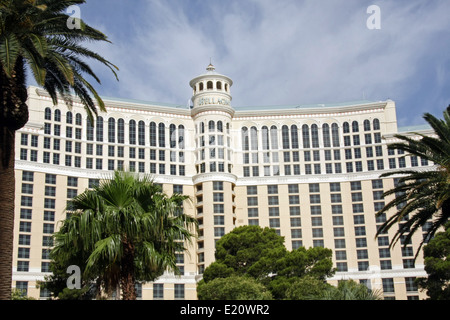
(312, 172)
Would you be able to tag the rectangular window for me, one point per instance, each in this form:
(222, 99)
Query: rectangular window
(274, 223)
(26, 201)
(219, 208)
(179, 291)
(25, 226)
(219, 220)
(252, 201)
(218, 186)
(219, 232)
(28, 176)
(293, 188)
(158, 291)
(296, 233)
(48, 228)
(314, 198)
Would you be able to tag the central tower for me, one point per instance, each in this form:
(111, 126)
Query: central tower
(214, 182)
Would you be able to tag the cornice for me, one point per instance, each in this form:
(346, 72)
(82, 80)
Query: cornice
(218, 176)
(304, 113)
(136, 107)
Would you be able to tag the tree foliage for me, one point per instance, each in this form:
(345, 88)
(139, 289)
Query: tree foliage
(124, 230)
(233, 288)
(421, 196)
(307, 288)
(260, 253)
(437, 266)
(35, 36)
(350, 290)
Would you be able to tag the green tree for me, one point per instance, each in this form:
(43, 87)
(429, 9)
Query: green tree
(437, 266)
(18, 294)
(56, 284)
(247, 250)
(307, 288)
(350, 290)
(260, 253)
(128, 229)
(233, 288)
(313, 262)
(35, 34)
(421, 195)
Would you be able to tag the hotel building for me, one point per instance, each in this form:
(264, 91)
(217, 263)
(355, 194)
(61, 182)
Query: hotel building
(311, 172)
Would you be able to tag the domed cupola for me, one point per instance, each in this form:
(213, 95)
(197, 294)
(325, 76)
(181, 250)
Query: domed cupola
(211, 92)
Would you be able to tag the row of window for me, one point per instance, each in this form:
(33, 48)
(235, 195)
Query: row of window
(309, 136)
(137, 131)
(158, 290)
(48, 226)
(329, 167)
(210, 85)
(337, 221)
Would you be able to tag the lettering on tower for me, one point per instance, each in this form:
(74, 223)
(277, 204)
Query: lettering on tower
(213, 100)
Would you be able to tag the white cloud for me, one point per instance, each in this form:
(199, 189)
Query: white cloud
(282, 52)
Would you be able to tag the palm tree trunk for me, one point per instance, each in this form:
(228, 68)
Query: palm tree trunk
(7, 197)
(127, 276)
(13, 116)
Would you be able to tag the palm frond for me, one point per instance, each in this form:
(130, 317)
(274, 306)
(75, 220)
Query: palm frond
(420, 196)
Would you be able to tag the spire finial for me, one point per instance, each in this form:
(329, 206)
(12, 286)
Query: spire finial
(210, 67)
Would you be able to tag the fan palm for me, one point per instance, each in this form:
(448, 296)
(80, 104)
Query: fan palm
(129, 229)
(421, 196)
(350, 290)
(35, 34)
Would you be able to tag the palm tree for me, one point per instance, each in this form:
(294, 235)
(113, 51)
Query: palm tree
(350, 290)
(128, 228)
(34, 34)
(421, 195)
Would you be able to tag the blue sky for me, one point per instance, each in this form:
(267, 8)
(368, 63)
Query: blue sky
(279, 52)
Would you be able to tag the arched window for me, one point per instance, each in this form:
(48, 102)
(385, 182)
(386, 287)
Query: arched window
(315, 136)
(285, 136)
(306, 138)
(245, 141)
(141, 133)
(366, 125)
(78, 119)
(274, 137)
(346, 127)
(219, 126)
(202, 127)
(200, 86)
(48, 114)
(211, 126)
(355, 126)
(121, 131)
(162, 135)
(111, 130)
(89, 130)
(173, 135)
(376, 124)
(265, 138)
(294, 137)
(152, 134)
(326, 135)
(335, 134)
(209, 85)
(57, 115)
(254, 138)
(132, 131)
(219, 85)
(99, 129)
(69, 117)
(181, 136)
